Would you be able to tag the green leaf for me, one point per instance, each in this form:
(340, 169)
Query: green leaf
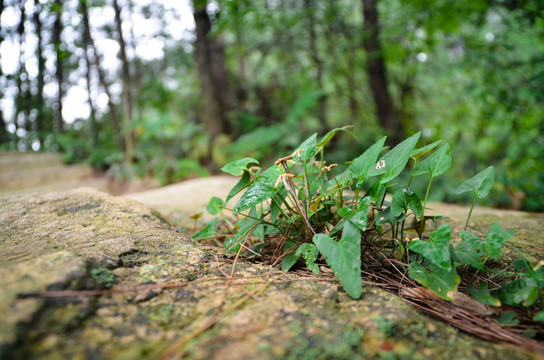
(359, 217)
(521, 265)
(247, 225)
(417, 153)
(441, 282)
(309, 253)
(522, 291)
(436, 250)
(480, 183)
(238, 167)
(309, 146)
(328, 136)
(275, 204)
(493, 243)
(405, 198)
(392, 163)
(245, 180)
(259, 232)
(361, 165)
(344, 257)
(214, 205)
(377, 192)
(495, 239)
(388, 217)
(464, 253)
(435, 164)
(207, 232)
(290, 259)
(482, 295)
(261, 189)
(539, 316)
(508, 318)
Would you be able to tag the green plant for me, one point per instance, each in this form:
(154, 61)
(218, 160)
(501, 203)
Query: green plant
(104, 276)
(299, 205)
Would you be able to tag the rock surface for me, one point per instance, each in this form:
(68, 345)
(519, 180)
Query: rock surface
(171, 297)
(178, 202)
(32, 172)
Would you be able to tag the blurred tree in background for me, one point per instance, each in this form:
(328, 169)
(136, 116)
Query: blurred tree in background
(255, 77)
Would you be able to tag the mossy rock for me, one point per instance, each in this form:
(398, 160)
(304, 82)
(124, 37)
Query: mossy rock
(61, 252)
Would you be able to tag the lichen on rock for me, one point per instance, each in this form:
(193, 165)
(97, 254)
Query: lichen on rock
(172, 297)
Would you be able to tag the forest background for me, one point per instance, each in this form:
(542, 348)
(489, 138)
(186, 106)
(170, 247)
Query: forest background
(256, 77)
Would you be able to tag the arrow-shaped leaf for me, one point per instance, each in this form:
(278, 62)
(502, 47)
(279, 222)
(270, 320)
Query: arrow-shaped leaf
(405, 198)
(435, 164)
(328, 136)
(214, 205)
(493, 242)
(436, 250)
(417, 153)
(441, 282)
(482, 295)
(522, 291)
(392, 163)
(309, 146)
(261, 189)
(238, 167)
(207, 232)
(361, 165)
(464, 253)
(480, 183)
(242, 184)
(344, 257)
(359, 217)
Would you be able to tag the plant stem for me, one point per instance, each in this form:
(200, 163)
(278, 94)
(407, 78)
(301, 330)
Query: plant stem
(426, 197)
(411, 176)
(298, 204)
(340, 192)
(471, 208)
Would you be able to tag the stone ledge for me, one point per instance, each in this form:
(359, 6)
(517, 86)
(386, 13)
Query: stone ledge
(55, 241)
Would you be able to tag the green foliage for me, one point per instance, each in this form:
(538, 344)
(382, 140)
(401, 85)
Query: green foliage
(482, 295)
(436, 249)
(104, 276)
(493, 243)
(302, 204)
(207, 232)
(405, 199)
(238, 167)
(479, 184)
(262, 188)
(436, 164)
(395, 160)
(442, 282)
(214, 205)
(309, 253)
(344, 257)
(487, 47)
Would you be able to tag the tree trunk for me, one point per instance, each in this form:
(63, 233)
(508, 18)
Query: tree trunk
(4, 136)
(352, 87)
(126, 95)
(41, 125)
(212, 72)
(322, 115)
(57, 41)
(136, 76)
(377, 74)
(18, 78)
(86, 43)
(101, 75)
